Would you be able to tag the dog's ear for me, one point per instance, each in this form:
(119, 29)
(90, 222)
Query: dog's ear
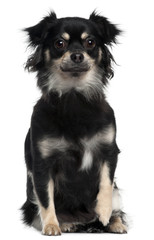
(37, 35)
(38, 32)
(106, 29)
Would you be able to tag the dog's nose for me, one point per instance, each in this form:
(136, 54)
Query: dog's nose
(77, 57)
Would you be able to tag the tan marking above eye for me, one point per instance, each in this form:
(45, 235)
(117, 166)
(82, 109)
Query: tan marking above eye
(66, 36)
(84, 35)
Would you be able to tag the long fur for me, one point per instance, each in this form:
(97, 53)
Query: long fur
(72, 122)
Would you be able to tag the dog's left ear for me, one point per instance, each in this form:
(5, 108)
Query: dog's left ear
(106, 29)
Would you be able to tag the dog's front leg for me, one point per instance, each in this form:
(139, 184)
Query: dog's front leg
(104, 196)
(44, 190)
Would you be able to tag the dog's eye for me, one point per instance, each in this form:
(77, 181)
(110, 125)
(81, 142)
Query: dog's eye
(89, 43)
(60, 44)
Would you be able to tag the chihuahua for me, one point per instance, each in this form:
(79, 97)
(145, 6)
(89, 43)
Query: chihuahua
(70, 149)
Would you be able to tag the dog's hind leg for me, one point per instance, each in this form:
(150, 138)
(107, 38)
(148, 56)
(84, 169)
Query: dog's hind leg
(68, 227)
(117, 222)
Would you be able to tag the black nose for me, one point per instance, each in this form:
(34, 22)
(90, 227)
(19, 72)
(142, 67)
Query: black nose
(77, 57)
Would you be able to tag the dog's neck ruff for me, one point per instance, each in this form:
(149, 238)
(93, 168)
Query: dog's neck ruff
(90, 85)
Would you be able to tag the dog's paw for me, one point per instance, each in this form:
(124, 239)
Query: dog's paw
(68, 227)
(118, 228)
(51, 230)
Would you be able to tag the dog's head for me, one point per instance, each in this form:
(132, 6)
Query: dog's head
(72, 53)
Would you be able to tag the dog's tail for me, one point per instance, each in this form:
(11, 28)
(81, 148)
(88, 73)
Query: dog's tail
(29, 211)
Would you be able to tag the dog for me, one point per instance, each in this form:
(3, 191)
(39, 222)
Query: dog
(70, 149)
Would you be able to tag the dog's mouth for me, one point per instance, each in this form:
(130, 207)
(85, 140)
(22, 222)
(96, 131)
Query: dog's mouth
(75, 69)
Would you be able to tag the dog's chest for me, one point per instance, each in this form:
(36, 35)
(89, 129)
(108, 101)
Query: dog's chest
(49, 146)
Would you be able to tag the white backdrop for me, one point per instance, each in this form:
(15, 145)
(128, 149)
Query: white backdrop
(130, 93)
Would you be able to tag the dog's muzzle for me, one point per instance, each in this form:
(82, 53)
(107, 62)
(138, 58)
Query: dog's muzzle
(75, 64)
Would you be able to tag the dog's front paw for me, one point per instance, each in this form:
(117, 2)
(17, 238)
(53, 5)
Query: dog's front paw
(51, 230)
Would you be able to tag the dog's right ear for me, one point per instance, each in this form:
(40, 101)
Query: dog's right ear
(38, 33)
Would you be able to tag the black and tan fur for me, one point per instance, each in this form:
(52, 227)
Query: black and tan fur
(70, 149)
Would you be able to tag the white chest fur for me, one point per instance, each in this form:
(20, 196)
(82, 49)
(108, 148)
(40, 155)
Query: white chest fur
(47, 145)
(90, 145)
